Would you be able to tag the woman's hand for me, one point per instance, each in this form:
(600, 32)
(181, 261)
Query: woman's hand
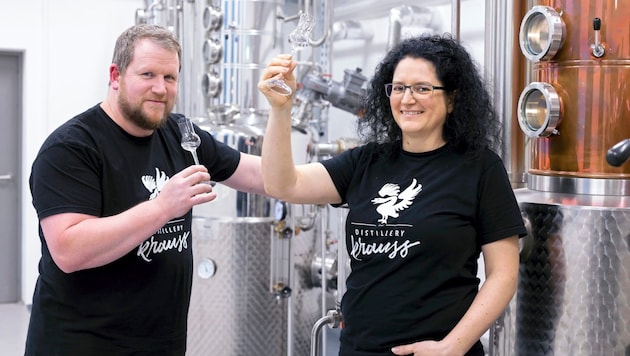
(280, 67)
(424, 348)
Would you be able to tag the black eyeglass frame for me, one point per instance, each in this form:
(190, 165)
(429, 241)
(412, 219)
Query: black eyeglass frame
(389, 88)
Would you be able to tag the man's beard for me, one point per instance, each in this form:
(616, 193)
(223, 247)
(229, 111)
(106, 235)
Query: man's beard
(137, 117)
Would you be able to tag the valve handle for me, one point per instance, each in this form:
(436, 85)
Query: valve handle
(618, 154)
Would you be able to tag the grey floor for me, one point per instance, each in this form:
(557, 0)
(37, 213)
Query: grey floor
(13, 325)
(14, 322)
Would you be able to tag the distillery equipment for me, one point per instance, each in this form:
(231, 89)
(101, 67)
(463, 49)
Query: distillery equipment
(269, 275)
(573, 295)
(265, 269)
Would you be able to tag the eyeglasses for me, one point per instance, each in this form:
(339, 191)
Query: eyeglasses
(424, 90)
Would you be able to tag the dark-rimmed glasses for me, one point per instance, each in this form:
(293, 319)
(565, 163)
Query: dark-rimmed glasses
(392, 89)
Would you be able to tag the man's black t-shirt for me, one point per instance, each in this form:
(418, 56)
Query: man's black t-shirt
(137, 304)
(414, 232)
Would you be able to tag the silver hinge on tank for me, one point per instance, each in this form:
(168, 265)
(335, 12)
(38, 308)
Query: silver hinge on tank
(597, 47)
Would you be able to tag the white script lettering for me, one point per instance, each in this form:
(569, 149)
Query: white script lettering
(152, 247)
(393, 249)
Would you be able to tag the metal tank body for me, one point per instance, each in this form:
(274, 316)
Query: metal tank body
(243, 246)
(237, 311)
(232, 128)
(573, 295)
(232, 311)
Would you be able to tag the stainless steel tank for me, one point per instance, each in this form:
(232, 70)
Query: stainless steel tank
(232, 311)
(573, 295)
(243, 132)
(262, 300)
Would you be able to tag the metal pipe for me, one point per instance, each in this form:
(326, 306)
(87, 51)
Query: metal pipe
(323, 216)
(351, 30)
(315, 333)
(455, 17)
(333, 318)
(407, 15)
(327, 20)
(343, 262)
(370, 9)
(504, 68)
(395, 28)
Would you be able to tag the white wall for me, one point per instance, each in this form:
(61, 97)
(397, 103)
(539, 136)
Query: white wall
(68, 46)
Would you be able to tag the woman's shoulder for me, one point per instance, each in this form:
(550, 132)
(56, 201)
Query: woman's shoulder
(490, 157)
(484, 157)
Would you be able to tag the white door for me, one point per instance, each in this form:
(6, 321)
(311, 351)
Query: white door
(10, 180)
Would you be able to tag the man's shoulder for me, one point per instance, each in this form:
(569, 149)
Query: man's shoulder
(75, 128)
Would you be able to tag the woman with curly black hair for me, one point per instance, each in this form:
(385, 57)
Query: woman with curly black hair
(426, 195)
(470, 127)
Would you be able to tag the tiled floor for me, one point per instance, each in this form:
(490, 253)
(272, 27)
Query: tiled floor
(13, 325)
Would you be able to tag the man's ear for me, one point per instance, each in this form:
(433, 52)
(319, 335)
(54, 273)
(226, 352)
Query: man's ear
(114, 76)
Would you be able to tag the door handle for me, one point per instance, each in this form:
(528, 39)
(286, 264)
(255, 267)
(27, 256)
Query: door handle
(5, 177)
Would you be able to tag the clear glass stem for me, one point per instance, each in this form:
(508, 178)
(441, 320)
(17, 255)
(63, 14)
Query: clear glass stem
(195, 158)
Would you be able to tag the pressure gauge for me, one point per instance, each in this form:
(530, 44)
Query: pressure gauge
(206, 268)
(280, 210)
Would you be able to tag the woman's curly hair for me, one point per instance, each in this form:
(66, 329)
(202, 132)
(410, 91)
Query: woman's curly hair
(472, 126)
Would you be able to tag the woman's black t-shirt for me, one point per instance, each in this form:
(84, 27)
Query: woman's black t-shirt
(414, 232)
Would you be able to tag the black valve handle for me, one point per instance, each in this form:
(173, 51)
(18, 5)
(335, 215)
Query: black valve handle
(618, 154)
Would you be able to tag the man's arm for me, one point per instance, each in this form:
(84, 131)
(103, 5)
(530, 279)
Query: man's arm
(80, 241)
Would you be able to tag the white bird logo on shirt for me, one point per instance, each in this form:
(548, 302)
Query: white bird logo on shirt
(155, 185)
(390, 202)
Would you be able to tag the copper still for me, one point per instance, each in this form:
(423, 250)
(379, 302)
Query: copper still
(588, 79)
(573, 295)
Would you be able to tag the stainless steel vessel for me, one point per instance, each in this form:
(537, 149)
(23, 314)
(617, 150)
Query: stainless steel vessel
(232, 311)
(573, 296)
